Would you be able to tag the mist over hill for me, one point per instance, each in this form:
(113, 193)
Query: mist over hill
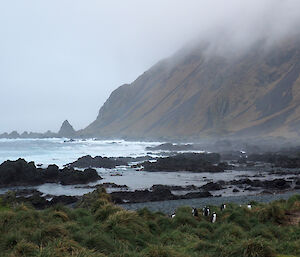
(199, 92)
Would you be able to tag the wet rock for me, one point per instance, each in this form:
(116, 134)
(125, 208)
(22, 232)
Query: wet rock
(194, 162)
(97, 162)
(63, 199)
(175, 188)
(113, 185)
(27, 192)
(235, 190)
(158, 194)
(251, 189)
(266, 192)
(69, 176)
(171, 147)
(277, 184)
(191, 195)
(19, 173)
(211, 186)
(278, 160)
(136, 166)
(51, 173)
(139, 196)
(22, 173)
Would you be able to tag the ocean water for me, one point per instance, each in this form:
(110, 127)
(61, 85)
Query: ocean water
(59, 152)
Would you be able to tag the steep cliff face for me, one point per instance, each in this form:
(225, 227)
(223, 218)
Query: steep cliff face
(193, 94)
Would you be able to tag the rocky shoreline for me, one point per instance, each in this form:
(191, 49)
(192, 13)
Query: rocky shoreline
(282, 166)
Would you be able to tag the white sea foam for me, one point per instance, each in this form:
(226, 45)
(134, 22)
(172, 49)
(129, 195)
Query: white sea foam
(56, 150)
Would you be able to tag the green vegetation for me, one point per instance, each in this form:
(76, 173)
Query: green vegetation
(99, 228)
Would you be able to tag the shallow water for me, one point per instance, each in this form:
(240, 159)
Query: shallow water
(49, 151)
(169, 207)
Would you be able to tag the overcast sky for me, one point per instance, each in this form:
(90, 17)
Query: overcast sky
(60, 59)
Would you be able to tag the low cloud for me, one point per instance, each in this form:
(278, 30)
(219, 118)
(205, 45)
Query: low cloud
(61, 59)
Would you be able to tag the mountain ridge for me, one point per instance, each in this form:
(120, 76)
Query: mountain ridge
(192, 95)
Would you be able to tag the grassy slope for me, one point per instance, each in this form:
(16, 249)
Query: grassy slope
(99, 228)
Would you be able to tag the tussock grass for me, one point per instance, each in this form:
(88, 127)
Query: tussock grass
(61, 216)
(105, 211)
(102, 229)
(25, 249)
(162, 251)
(273, 212)
(253, 248)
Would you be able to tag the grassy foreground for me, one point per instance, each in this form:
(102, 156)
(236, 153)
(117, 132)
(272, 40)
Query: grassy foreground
(99, 228)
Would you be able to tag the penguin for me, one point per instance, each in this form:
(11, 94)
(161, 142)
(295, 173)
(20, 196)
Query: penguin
(173, 215)
(223, 207)
(213, 217)
(249, 206)
(206, 211)
(195, 212)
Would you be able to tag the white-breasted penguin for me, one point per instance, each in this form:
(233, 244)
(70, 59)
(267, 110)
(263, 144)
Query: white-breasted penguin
(213, 217)
(206, 211)
(223, 207)
(195, 212)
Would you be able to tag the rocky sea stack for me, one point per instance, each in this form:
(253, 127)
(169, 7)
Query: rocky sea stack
(66, 130)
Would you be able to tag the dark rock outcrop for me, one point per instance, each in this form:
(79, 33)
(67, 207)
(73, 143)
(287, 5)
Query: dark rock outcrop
(139, 196)
(69, 176)
(36, 198)
(195, 162)
(98, 162)
(113, 185)
(22, 173)
(63, 199)
(211, 186)
(275, 184)
(202, 194)
(279, 184)
(171, 147)
(175, 188)
(277, 160)
(158, 194)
